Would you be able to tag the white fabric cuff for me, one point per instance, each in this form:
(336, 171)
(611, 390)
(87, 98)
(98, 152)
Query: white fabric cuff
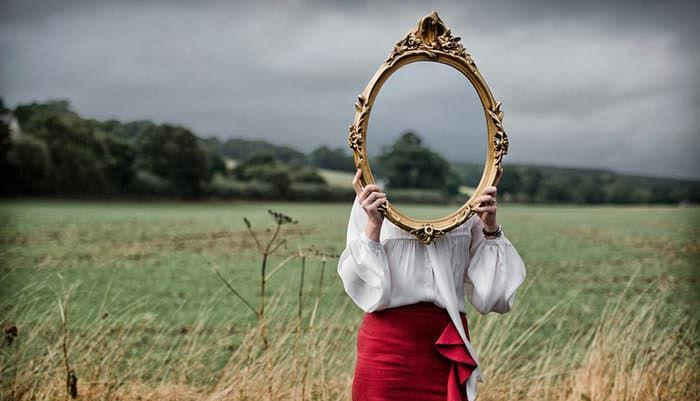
(495, 273)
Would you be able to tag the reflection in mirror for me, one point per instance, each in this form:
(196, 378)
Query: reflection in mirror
(427, 139)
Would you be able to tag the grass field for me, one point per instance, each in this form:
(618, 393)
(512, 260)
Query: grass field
(147, 316)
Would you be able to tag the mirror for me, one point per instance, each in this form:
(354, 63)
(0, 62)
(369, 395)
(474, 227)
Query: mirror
(428, 141)
(425, 104)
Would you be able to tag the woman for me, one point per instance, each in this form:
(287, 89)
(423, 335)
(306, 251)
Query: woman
(413, 343)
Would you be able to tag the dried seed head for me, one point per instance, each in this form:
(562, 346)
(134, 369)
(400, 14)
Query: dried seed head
(281, 218)
(10, 334)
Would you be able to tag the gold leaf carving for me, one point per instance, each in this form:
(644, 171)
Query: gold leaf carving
(354, 139)
(427, 233)
(431, 37)
(462, 216)
(500, 140)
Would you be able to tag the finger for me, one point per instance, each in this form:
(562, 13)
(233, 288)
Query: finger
(485, 209)
(486, 199)
(356, 184)
(373, 196)
(488, 209)
(368, 189)
(490, 190)
(358, 188)
(375, 205)
(368, 202)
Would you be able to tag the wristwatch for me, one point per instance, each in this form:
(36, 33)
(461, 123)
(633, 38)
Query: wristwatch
(496, 233)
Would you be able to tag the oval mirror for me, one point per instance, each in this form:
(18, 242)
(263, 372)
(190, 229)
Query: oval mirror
(425, 131)
(428, 141)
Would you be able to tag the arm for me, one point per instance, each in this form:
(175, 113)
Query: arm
(496, 270)
(363, 266)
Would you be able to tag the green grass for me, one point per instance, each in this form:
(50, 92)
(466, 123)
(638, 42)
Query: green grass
(154, 260)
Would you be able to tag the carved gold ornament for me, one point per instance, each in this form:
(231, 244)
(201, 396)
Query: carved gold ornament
(431, 41)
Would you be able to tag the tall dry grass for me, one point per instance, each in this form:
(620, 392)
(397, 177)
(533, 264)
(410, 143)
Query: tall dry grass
(632, 352)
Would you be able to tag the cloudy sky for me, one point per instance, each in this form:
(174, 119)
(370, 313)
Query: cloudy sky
(590, 84)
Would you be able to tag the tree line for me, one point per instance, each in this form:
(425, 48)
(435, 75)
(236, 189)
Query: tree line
(53, 151)
(409, 163)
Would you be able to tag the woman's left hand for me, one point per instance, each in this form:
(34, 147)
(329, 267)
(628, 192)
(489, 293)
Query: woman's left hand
(487, 208)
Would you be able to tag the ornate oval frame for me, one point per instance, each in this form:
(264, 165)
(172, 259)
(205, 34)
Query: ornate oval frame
(431, 41)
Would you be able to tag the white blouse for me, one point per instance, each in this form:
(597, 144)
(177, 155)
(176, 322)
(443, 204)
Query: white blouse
(401, 270)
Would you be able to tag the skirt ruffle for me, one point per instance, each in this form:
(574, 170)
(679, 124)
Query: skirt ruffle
(411, 352)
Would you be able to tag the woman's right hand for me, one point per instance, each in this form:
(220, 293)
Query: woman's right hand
(373, 203)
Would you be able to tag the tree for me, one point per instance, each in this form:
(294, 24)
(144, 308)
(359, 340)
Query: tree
(332, 159)
(119, 169)
(174, 154)
(215, 163)
(123, 131)
(25, 167)
(510, 182)
(238, 149)
(32, 115)
(409, 164)
(79, 154)
(554, 188)
(307, 174)
(264, 167)
(4, 129)
(622, 191)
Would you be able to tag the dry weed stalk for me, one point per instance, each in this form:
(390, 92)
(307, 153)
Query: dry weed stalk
(633, 352)
(310, 252)
(322, 257)
(71, 377)
(273, 243)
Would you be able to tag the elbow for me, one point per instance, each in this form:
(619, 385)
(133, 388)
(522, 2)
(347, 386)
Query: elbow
(366, 297)
(368, 293)
(496, 274)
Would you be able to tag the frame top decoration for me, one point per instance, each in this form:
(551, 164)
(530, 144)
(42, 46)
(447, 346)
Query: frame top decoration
(431, 41)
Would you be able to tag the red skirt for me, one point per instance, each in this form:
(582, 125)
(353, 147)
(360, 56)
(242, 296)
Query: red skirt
(411, 352)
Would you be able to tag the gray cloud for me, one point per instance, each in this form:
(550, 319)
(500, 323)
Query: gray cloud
(587, 84)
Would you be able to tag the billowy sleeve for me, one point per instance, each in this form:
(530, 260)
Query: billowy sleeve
(363, 266)
(494, 274)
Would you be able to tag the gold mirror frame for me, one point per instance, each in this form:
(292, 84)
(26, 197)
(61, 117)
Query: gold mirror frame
(431, 41)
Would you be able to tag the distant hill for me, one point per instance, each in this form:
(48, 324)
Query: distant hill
(521, 182)
(545, 183)
(59, 153)
(238, 148)
(322, 157)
